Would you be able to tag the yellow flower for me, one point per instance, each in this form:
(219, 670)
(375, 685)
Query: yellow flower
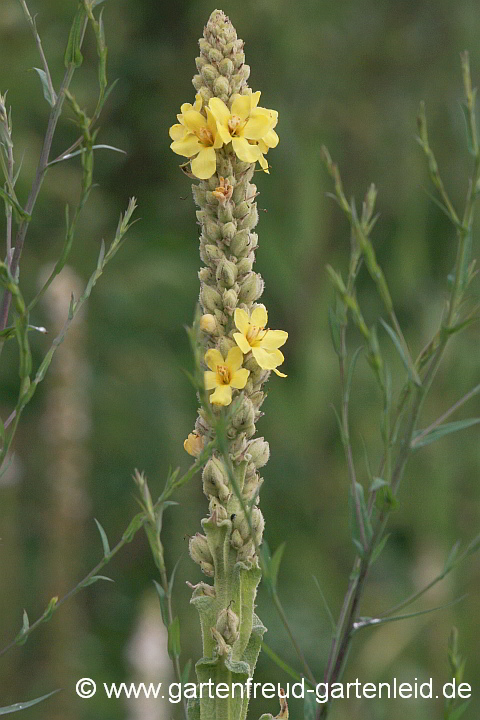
(245, 125)
(196, 136)
(263, 343)
(224, 374)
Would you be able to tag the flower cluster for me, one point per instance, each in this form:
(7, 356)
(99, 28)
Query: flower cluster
(245, 127)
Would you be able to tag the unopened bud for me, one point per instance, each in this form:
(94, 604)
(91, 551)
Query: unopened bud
(227, 625)
(251, 288)
(215, 479)
(258, 524)
(212, 253)
(230, 300)
(259, 451)
(226, 67)
(221, 86)
(210, 298)
(244, 416)
(250, 220)
(212, 230)
(245, 265)
(209, 73)
(239, 243)
(214, 55)
(226, 273)
(199, 549)
(228, 231)
(208, 323)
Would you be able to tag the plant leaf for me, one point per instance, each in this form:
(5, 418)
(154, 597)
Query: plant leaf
(412, 373)
(310, 706)
(441, 431)
(174, 648)
(163, 602)
(23, 705)
(94, 579)
(281, 663)
(327, 608)
(103, 535)
(46, 90)
(275, 563)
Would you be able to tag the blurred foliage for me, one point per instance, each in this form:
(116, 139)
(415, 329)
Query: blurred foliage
(349, 75)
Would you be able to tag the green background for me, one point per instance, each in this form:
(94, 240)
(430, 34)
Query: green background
(346, 74)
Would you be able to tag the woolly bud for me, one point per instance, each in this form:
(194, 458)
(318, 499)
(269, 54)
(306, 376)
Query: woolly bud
(217, 512)
(238, 60)
(206, 94)
(212, 230)
(226, 273)
(208, 323)
(230, 300)
(246, 552)
(212, 253)
(226, 67)
(225, 345)
(228, 231)
(194, 444)
(259, 451)
(215, 480)
(258, 525)
(245, 265)
(209, 73)
(214, 55)
(199, 194)
(252, 486)
(197, 82)
(257, 399)
(250, 220)
(199, 549)
(239, 243)
(241, 209)
(222, 647)
(251, 288)
(221, 87)
(236, 540)
(225, 215)
(240, 525)
(244, 416)
(227, 625)
(200, 62)
(210, 298)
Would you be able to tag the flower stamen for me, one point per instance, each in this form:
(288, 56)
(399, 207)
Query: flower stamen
(224, 373)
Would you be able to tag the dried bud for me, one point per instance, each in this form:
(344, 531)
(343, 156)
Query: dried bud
(223, 191)
(208, 324)
(194, 444)
(227, 625)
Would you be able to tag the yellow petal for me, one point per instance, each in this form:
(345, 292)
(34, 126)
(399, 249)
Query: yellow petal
(257, 126)
(234, 359)
(219, 110)
(242, 321)
(205, 163)
(263, 162)
(274, 339)
(271, 139)
(244, 151)
(222, 395)
(213, 127)
(259, 316)
(267, 359)
(194, 120)
(186, 107)
(241, 106)
(277, 372)
(188, 146)
(177, 132)
(198, 102)
(242, 342)
(210, 379)
(239, 380)
(213, 357)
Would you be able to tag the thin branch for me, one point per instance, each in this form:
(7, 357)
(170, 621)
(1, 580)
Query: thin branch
(33, 25)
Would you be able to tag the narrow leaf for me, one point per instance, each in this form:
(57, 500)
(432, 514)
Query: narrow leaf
(186, 672)
(24, 705)
(351, 370)
(441, 431)
(334, 326)
(310, 706)
(163, 602)
(174, 648)
(94, 579)
(327, 608)
(459, 711)
(412, 373)
(378, 549)
(73, 55)
(46, 90)
(452, 557)
(135, 524)
(103, 535)
(281, 663)
(172, 576)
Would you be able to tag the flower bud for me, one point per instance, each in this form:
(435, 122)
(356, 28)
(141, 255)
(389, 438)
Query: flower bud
(212, 253)
(194, 444)
(230, 300)
(198, 82)
(239, 243)
(241, 210)
(198, 194)
(221, 86)
(199, 549)
(252, 486)
(250, 220)
(225, 345)
(251, 288)
(240, 525)
(212, 230)
(206, 94)
(228, 231)
(238, 60)
(226, 67)
(258, 524)
(245, 265)
(236, 540)
(217, 511)
(204, 46)
(208, 569)
(225, 214)
(259, 451)
(226, 273)
(244, 416)
(246, 552)
(257, 399)
(215, 480)
(214, 55)
(208, 323)
(200, 62)
(227, 625)
(210, 298)
(209, 73)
